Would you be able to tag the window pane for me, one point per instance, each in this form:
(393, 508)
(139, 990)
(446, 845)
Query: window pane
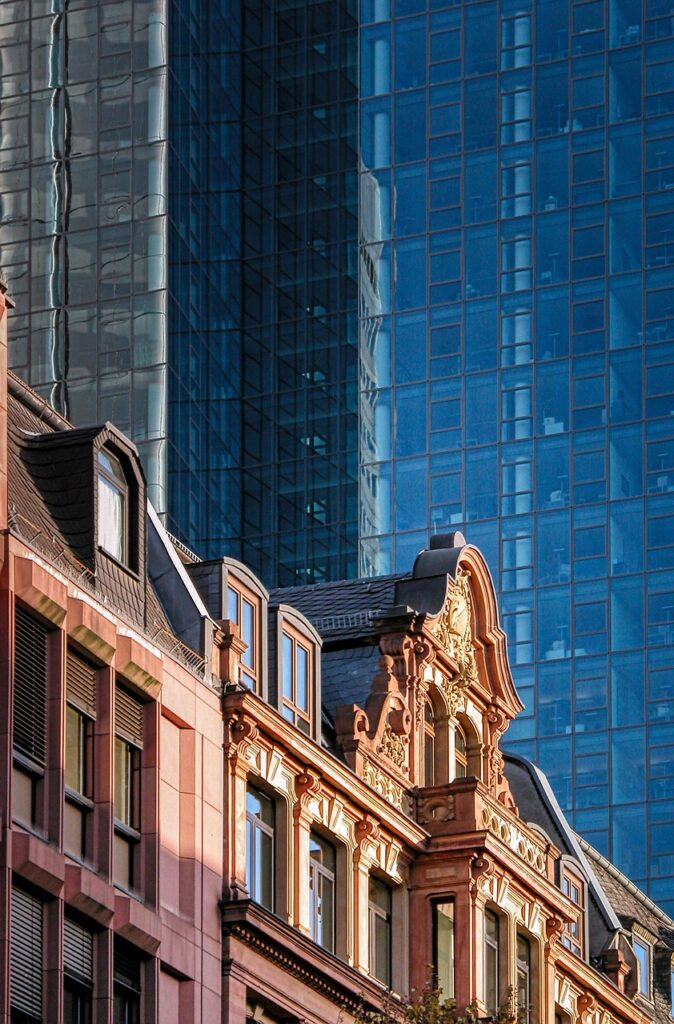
(74, 749)
(302, 699)
(110, 519)
(232, 605)
(248, 633)
(444, 948)
(122, 781)
(287, 667)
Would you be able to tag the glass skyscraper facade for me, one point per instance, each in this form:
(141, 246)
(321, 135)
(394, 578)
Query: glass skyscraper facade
(83, 198)
(263, 396)
(353, 276)
(518, 160)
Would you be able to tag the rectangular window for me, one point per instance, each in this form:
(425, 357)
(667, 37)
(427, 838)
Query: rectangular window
(573, 932)
(642, 951)
(491, 961)
(127, 984)
(30, 722)
(260, 823)
(322, 891)
(26, 957)
(296, 682)
(379, 912)
(113, 507)
(78, 973)
(244, 610)
(443, 947)
(80, 717)
(523, 980)
(128, 748)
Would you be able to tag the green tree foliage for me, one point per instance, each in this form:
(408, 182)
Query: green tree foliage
(428, 1007)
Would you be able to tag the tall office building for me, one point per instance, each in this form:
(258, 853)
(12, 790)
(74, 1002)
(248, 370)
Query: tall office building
(520, 158)
(83, 197)
(420, 279)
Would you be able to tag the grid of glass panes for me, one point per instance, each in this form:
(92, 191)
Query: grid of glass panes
(264, 425)
(83, 181)
(517, 314)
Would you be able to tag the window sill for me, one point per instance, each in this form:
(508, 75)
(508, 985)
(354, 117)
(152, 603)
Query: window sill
(126, 831)
(78, 799)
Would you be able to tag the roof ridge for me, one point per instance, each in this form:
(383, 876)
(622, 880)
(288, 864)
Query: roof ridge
(626, 882)
(32, 400)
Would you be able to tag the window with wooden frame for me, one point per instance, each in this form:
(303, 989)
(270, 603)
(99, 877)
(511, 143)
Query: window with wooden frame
(113, 514)
(492, 958)
(523, 980)
(243, 608)
(260, 851)
(429, 744)
(322, 873)
(26, 957)
(573, 887)
(127, 792)
(297, 679)
(380, 930)
(80, 718)
(460, 753)
(443, 946)
(643, 952)
(30, 717)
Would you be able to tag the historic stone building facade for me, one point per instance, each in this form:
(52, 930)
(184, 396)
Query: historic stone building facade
(220, 803)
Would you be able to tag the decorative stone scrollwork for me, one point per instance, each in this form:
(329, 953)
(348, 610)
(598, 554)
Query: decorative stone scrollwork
(307, 785)
(381, 783)
(515, 839)
(554, 927)
(241, 732)
(393, 746)
(455, 695)
(366, 830)
(454, 630)
(439, 807)
(586, 1004)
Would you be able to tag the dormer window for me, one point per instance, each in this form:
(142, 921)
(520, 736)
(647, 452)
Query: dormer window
(113, 507)
(296, 682)
(642, 951)
(573, 932)
(243, 608)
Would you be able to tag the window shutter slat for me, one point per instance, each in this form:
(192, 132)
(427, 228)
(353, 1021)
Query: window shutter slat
(26, 954)
(127, 965)
(128, 717)
(30, 679)
(78, 951)
(81, 684)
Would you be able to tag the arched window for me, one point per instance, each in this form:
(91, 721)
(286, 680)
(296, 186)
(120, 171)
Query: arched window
(429, 745)
(460, 753)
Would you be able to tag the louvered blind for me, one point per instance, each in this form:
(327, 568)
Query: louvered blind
(81, 683)
(128, 716)
(26, 954)
(127, 965)
(30, 684)
(78, 951)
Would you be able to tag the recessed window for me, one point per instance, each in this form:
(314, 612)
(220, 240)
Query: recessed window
(127, 794)
(260, 827)
(80, 717)
(127, 984)
(26, 957)
(113, 507)
(78, 972)
(429, 745)
(642, 951)
(491, 961)
(573, 932)
(244, 609)
(523, 980)
(379, 907)
(322, 891)
(460, 754)
(443, 944)
(296, 682)
(30, 720)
